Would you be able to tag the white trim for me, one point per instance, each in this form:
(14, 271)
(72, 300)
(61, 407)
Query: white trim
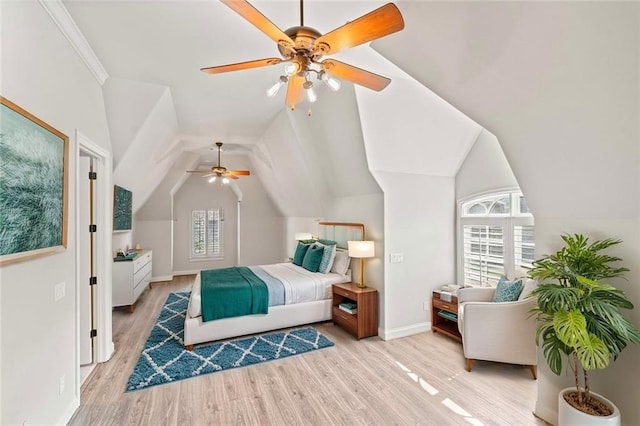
(60, 15)
(68, 412)
(162, 278)
(548, 414)
(409, 330)
(188, 272)
(104, 208)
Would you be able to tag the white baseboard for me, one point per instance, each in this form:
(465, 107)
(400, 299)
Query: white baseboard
(399, 332)
(161, 278)
(69, 412)
(195, 271)
(548, 414)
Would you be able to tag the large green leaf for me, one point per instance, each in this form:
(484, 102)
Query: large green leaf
(593, 354)
(552, 348)
(570, 327)
(553, 297)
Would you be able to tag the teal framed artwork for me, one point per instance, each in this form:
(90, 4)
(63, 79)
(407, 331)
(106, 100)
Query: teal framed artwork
(122, 205)
(34, 182)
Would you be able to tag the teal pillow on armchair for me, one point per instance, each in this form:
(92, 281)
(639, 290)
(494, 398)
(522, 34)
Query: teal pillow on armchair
(508, 291)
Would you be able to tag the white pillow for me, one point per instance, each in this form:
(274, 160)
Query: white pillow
(341, 262)
(195, 305)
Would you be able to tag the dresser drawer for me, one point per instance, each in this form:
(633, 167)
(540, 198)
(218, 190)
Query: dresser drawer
(142, 285)
(141, 273)
(141, 262)
(345, 320)
(344, 293)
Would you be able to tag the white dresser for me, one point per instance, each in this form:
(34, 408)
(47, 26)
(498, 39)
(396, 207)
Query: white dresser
(131, 278)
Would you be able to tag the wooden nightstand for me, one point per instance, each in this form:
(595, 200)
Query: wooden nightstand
(444, 316)
(364, 323)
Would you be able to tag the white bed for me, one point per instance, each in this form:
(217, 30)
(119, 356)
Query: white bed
(307, 297)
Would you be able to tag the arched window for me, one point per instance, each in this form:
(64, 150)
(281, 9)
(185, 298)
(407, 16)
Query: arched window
(496, 238)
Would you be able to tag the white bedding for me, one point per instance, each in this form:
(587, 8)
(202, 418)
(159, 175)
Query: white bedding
(300, 285)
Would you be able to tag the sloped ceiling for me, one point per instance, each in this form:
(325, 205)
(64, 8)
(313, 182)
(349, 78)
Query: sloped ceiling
(153, 51)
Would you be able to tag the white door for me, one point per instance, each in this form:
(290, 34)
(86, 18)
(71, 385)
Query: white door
(86, 250)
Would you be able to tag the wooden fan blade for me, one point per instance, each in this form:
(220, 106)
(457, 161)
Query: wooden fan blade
(355, 75)
(381, 22)
(294, 91)
(198, 171)
(231, 176)
(242, 65)
(239, 172)
(253, 15)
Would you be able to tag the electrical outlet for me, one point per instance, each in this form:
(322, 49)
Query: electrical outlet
(396, 257)
(61, 385)
(59, 291)
(425, 306)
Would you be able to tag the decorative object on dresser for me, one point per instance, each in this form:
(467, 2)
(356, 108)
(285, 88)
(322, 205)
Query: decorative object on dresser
(444, 314)
(131, 276)
(34, 176)
(361, 250)
(362, 321)
(164, 358)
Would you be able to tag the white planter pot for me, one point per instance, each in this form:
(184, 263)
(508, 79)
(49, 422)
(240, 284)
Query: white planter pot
(569, 416)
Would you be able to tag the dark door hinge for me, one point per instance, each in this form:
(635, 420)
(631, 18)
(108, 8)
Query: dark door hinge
(93, 228)
(93, 333)
(93, 280)
(93, 175)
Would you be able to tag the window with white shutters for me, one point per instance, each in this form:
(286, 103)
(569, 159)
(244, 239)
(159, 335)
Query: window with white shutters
(206, 233)
(496, 238)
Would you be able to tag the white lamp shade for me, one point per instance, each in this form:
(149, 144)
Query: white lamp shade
(303, 236)
(361, 249)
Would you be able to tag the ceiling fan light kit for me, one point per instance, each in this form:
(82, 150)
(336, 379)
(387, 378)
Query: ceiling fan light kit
(303, 47)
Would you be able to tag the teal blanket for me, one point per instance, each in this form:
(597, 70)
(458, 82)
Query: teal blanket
(232, 292)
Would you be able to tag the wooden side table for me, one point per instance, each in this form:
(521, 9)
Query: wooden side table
(363, 323)
(444, 316)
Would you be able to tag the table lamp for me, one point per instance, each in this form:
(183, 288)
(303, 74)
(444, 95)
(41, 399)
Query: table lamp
(361, 250)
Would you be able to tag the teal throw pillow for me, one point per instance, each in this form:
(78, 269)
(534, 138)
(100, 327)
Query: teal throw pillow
(301, 250)
(508, 291)
(328, 255)
(312, 258)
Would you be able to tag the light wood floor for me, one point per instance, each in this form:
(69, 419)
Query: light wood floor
(414, 380)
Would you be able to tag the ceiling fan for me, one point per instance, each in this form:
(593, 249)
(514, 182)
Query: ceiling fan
(219, 171)
(303, 47)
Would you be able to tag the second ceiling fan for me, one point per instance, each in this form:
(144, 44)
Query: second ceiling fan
(220, 171)
(303, 47)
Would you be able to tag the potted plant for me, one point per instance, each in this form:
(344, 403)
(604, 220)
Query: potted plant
(579, 317)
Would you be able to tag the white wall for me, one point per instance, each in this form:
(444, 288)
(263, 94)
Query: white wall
(558, 84)
(485, 169)
(260, 221)
(419, 219)
(43, 74)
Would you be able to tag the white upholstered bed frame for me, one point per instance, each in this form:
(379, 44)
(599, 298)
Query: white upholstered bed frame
(283, 316)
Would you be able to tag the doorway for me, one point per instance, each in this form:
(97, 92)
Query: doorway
(97, 245)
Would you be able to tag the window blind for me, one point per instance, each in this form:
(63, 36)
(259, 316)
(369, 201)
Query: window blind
(483, 247)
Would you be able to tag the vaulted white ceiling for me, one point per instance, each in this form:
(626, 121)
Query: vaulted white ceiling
(161, 107)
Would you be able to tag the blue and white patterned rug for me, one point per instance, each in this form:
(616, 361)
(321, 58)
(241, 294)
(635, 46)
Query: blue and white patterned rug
(164, 358)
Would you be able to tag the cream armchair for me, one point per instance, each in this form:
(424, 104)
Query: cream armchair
(501, 332)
